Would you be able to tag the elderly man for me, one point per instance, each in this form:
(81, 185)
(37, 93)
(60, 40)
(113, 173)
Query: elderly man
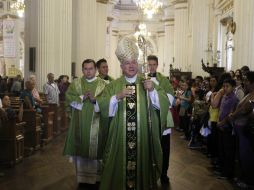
(51, 90)
(133, 155)
(86, 136)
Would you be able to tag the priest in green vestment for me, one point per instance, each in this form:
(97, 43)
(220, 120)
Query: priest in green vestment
(133, 155)
(86, 136)
(102, 67)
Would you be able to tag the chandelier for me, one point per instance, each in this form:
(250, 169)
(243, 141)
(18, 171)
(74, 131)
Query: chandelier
(141, 29)
(19, 7)
(149, 7)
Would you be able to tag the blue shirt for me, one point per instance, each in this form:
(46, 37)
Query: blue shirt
(27, 93)
(186, 104)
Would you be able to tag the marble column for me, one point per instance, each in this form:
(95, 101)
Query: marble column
(161, 44)
(63, 37)
(112, 40)
(101, 30)
(168, 45)
(244, 35)
(84, 32)
(48, 29)
(180, 35)
(114, 64)
(89, 31)
(199, 24)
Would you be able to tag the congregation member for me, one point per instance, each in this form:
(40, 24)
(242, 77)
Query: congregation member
(216, 98)
(27, 96)
(16, 86)
(6, 106)
(133, 154)
(185, 107)
(227, 138)
(198, 118)
(35, 92)
(242, 119)
(164, 83)
(51, 90)
(63, 85)
(239, 91)
(87, 132)
(213, 111)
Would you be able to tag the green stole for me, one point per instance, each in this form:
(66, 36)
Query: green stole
(130, 121)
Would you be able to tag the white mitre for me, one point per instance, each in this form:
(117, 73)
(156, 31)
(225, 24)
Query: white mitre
(127, 49)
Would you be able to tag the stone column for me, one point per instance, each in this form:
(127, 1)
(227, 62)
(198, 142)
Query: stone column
(114, 64)
(161, 44)
(199, 24)
(244, 35)
(48, 29)
(180, 35)
(84, 32)
(89, 35)
(63, 37)
(101, 30)
(168, 45)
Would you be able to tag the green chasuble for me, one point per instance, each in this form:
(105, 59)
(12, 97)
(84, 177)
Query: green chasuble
(86, 135)
(108, 79)
(120, 143)
(164, 83)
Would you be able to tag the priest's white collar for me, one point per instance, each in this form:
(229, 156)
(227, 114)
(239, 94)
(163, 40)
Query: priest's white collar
(91, 80)
(132, 79)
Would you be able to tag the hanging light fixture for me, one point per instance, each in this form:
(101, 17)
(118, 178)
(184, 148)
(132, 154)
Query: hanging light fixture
(141, 29)
(149, 7)
(19, 7)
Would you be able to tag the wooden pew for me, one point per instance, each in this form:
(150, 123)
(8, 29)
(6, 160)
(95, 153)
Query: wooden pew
(48, 117)
(64, 123)
(32, 131)
(12, 142)
(56, 123)
(53, 108)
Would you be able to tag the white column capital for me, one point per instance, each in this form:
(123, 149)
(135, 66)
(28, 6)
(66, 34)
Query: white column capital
(115, 32)
(217, 12)
(161, 33)
(169, 22)
(180, 4)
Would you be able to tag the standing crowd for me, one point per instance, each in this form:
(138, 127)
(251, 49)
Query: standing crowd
(216, 115)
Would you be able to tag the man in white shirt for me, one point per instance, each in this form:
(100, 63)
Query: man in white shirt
(51, 90)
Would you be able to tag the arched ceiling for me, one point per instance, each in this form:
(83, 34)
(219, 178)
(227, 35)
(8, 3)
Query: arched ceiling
(126, 16)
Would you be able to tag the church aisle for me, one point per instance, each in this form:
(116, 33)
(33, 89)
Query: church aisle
(48, 169)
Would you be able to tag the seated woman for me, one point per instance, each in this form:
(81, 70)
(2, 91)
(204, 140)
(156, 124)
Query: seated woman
(35, 92)
(27, 96)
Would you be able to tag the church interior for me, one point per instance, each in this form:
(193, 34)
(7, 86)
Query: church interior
(198, 45)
